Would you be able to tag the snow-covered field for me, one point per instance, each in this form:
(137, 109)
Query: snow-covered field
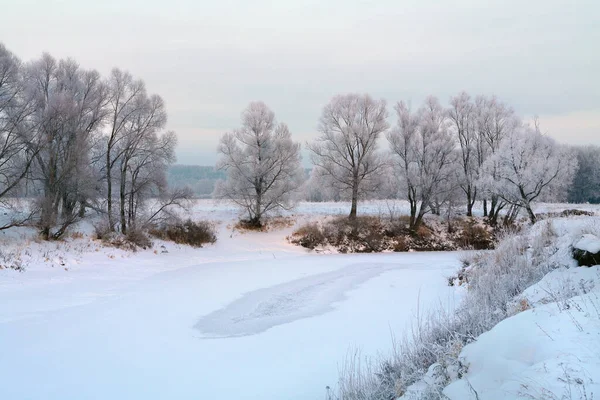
(251, 317)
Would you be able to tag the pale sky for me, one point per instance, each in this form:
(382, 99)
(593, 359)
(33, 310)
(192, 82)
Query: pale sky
(208, 60)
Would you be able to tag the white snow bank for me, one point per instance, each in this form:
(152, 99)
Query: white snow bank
(550, 351)
(561, 284)
(589, 243)
(545, 352)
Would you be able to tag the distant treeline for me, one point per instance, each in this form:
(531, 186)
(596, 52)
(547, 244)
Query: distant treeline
(585, 187)
(200, 179)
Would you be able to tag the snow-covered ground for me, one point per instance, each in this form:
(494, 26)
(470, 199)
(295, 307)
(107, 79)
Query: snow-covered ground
(551, 350)
(254, 317)
(207, 208)
(251, 317)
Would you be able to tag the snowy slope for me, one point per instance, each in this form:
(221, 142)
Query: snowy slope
(552, 349)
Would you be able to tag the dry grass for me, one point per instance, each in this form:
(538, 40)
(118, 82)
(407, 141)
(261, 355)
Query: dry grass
(76, 235)
(269, 224)
(373, 234)
(192, 233)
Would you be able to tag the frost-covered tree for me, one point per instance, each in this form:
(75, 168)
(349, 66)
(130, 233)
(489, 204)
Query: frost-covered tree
(529, 165)
(319, 187)
(143, 156)
(18, 146)
(123, 108)
(262, 164)
(68, 111)
(462, 115)
(346, 149)
(14, 111)
(424, 152)
(494, 122)
(63, 132)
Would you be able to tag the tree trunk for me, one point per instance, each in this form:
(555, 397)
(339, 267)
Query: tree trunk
(82, 207)
(417, 223)
(525, 200)
(48, 207)
(258, 213)
(469, 204)
(435, 208)
(485, 210)
(45, 232)
(123, 200)
(413, 214)
(354, 201)
(111, 225)
(511, 215)
(130, 217)
(530, 213)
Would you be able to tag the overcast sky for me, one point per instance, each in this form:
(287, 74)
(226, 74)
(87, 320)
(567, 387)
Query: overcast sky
(208, 60)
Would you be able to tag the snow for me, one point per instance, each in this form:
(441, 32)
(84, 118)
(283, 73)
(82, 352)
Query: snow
(251, 317)
(589, 243)
(539, 352)
(551, 350)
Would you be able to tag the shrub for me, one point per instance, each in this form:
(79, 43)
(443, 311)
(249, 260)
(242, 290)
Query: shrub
(423, 232)
(76, 235)
(367, 234)
(188, 232)
(475, 236)
(102, 230)
(250, 225)
(309, 236)
(398, 226)
(568, 213)
(401, 244)
(360, 235)
(134, 239)
(138, 238)
(12, 259)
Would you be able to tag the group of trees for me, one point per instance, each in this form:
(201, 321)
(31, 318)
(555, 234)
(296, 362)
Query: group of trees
(199, 179)
(437, 157)
(75, 140)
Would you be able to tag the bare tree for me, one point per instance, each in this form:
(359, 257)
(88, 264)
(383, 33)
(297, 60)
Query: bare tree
(68, 110)
(424, 151)
(124, 103)
(262, 164)
(18, 146)
(528, 165)
(142, 156)
(462, 115)
(495, 121)
(147, 177)
(346, 149)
